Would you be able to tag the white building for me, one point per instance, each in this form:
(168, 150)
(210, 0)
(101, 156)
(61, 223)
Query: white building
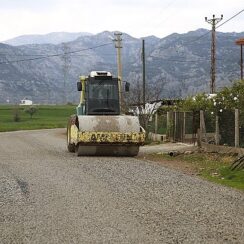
(25, 102)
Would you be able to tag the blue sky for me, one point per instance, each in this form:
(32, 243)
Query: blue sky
(136, 17)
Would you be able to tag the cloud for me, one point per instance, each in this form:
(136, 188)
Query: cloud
(136, 17)
(28, 4)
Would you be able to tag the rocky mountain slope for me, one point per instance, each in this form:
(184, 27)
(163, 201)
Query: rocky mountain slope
(179, 62)
(52, 38)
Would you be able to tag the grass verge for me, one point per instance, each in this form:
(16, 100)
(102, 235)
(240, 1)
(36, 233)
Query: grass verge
(210, 166)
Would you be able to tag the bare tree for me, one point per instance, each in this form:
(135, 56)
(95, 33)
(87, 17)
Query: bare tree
(153, 96)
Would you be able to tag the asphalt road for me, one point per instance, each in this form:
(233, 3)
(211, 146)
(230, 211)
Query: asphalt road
(48, 195)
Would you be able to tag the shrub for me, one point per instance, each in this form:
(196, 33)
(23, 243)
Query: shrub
(31, 111)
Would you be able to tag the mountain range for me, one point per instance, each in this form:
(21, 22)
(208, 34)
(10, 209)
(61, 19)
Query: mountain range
(47, 72)
(51, 38)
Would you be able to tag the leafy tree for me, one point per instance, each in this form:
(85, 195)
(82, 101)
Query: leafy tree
(222, 104)
(31, 111)
(228, 98)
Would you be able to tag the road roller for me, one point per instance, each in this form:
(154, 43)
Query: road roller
(99, 128)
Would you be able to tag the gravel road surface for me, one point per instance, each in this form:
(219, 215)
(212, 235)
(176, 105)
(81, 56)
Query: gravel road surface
(48, 195)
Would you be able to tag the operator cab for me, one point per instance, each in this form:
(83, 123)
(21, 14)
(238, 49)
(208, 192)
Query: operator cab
(101, 94)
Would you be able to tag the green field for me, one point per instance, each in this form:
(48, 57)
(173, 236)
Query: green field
(46, 117)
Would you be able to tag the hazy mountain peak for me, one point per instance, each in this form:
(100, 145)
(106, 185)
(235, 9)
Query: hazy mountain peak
(51, 38)
(198, 32)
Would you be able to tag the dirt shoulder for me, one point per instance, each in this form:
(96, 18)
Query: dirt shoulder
(178, 165)
(214, 167)
(155, 153)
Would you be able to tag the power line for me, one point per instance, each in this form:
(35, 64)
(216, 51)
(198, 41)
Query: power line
(44, 55)
(22, 55)
(162, 11)
(218, 26)
(169, 16)
(55, 55)
(40, 56)
(205, 34)
(181, 61)
(230, 18)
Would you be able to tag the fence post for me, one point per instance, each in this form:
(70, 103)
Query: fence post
(156, 122)
(175, 126)
(202, 126)
(184, 127)
(199, 138)
(169, 124)
(217, 130)
(237, 131)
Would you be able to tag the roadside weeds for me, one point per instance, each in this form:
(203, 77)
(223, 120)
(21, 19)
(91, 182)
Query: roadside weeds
(210, 166)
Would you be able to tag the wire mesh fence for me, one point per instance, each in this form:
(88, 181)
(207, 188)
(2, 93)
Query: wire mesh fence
(227, 128)
(241, 127)
(222, 128)
(176, 126)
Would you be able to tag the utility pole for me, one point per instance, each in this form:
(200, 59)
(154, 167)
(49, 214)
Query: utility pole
(240, 42)
(66, 67)
(143, 74)
(118, 46)
(214, 21)
(241, 64)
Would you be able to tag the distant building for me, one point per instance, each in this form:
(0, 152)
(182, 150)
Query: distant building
(25, 101)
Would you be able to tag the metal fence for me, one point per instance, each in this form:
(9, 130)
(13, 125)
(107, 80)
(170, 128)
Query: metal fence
(227, 127)
(224, 128)
(176, 126)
